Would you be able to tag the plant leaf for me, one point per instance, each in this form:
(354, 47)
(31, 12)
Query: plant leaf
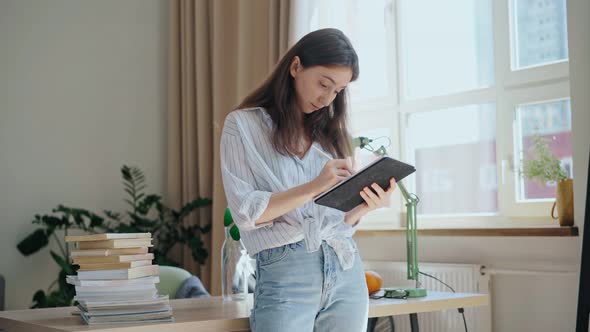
(33, 242)
(205, 229)
(189, 207)
(198, 252)
(113, 215)
(96, 221)
(66, 289)
(126, 173)
(62, 263)
(227, 218)
(39, 300)
(53, 222)
(130, 192)
(129, 186)
(235, 233)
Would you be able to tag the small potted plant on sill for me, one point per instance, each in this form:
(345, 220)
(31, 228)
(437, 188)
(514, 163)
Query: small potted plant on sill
(542, 166)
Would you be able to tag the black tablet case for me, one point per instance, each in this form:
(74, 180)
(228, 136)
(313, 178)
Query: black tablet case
(345, 196)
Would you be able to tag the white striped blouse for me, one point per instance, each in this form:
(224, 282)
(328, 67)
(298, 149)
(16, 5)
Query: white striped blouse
(252, 170)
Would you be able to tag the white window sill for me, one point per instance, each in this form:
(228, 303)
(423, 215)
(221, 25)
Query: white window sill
(554, 230)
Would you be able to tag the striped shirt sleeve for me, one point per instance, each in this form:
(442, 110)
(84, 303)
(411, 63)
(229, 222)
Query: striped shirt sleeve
(245, 202)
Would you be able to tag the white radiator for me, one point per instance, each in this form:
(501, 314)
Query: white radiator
(464, 278)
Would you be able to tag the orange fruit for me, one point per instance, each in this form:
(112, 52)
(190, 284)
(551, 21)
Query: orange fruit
(374, 281)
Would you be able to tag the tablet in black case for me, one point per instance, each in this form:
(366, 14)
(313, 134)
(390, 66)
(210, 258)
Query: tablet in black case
(345, 195)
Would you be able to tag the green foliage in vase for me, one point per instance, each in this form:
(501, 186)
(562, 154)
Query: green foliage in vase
(540, 164)
(228, 220)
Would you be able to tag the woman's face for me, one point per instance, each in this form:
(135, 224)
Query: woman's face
(317, 86)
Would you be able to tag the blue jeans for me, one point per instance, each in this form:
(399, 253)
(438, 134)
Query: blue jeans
(303, 292)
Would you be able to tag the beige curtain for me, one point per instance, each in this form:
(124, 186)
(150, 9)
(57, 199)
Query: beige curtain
(220, 50)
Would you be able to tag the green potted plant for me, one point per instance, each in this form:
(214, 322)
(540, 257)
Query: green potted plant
(542, 166)
(146, 213)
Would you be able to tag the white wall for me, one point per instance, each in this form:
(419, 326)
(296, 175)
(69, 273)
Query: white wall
(82, 91)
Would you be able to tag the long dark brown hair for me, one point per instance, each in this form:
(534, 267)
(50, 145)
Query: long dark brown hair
(325, 47)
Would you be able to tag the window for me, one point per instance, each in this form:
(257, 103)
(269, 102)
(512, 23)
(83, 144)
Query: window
(458, 88)
(450, 147)
(539, 32)
(446, 48)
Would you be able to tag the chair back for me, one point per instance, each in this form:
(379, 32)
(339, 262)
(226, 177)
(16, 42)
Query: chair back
(171, 278)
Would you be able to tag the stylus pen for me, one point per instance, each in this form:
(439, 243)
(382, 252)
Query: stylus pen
(322, 152)
(330, 157)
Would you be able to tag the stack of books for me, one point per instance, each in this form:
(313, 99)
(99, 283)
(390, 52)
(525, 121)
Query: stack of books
(116, 282)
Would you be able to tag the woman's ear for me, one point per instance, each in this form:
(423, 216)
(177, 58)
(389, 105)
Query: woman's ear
(295, 66)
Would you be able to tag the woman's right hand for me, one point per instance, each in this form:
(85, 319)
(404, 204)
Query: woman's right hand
(333, 172)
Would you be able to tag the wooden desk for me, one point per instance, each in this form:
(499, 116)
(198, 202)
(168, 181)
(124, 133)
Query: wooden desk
(212, 314)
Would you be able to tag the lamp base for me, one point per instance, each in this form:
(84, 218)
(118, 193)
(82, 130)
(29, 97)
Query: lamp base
(416, 292)
(397, 293)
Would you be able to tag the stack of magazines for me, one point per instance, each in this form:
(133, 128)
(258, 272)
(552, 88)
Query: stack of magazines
(116, 282)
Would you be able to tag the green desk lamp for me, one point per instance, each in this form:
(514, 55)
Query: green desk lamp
(411, 229)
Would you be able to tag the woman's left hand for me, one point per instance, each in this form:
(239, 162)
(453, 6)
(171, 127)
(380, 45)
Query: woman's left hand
(377, 198)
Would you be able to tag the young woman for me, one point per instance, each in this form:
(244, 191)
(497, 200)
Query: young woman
(275, 152)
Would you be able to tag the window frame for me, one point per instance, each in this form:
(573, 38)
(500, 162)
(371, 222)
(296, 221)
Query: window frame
(511, 88)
